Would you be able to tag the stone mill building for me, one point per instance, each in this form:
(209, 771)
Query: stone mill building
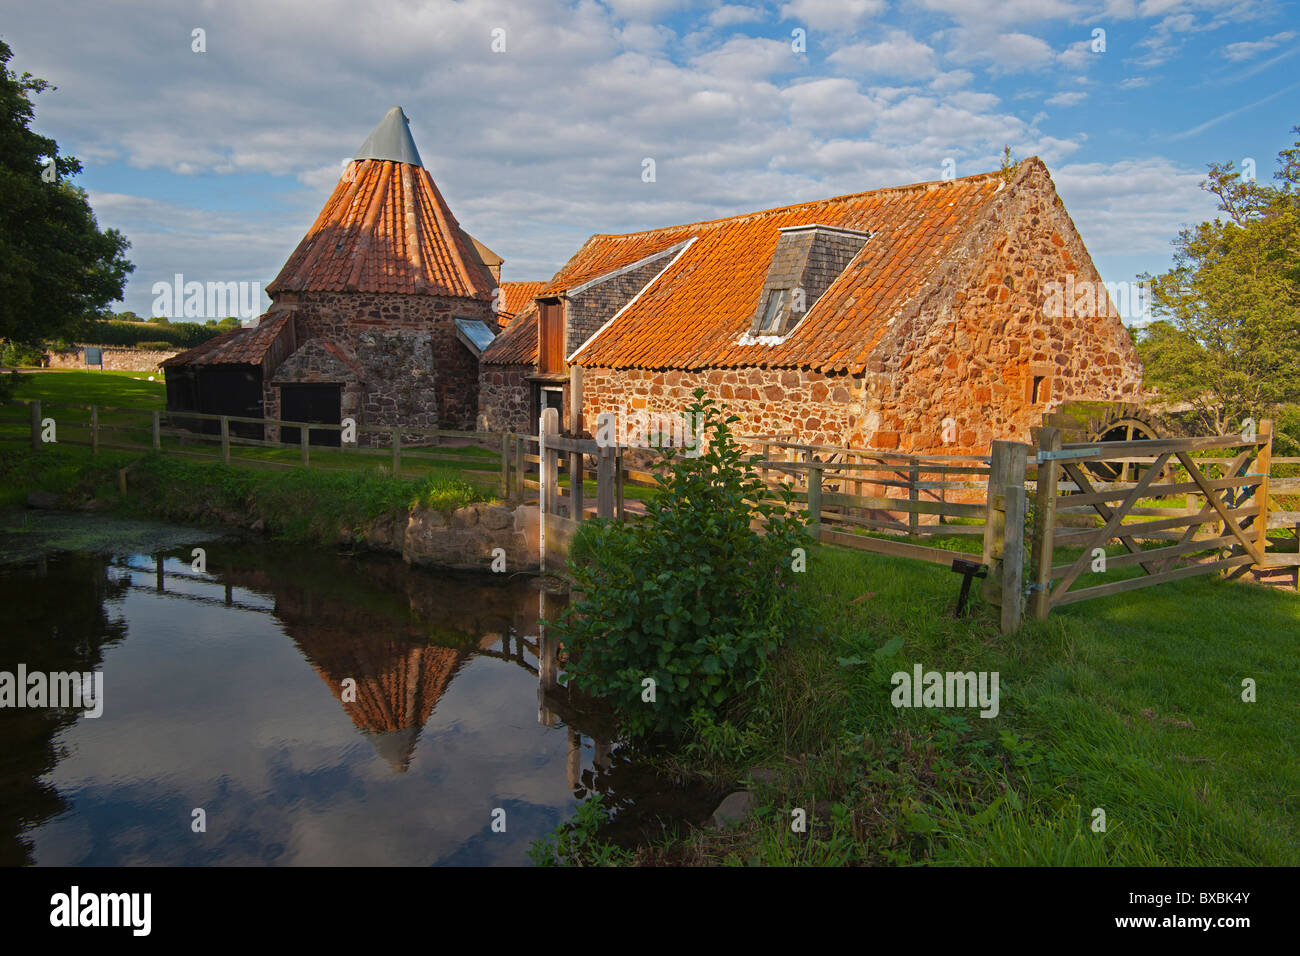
(916, 318)
(379, 315)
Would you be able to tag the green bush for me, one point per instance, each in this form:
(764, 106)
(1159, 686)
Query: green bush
(690, 596)
(15, 355)
(183, 335)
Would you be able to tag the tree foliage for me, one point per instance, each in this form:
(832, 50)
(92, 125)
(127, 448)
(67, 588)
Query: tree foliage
(56, 266)
(1227, 338)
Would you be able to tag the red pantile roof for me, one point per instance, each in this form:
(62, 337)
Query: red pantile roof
(517, 296)
(385, 228)
(516, 344)
(236, 347)
(695, 313)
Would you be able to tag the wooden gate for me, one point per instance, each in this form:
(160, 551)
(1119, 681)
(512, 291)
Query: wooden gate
(1220, 525)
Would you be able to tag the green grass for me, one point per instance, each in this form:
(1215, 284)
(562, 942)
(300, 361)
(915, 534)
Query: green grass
(296, 504)
(1130, 703)
(125, 389)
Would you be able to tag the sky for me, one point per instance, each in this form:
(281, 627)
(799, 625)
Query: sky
(536, 118)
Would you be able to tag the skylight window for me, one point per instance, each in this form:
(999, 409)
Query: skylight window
(772, 310)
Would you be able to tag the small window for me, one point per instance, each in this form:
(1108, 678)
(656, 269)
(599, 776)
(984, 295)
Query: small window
(772, 311)
(1035, 394)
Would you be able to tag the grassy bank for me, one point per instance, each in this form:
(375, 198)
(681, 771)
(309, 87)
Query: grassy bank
(296, 504)
(1130, 704)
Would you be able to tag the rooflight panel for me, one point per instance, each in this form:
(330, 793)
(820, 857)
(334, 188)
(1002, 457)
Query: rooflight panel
(772, 310)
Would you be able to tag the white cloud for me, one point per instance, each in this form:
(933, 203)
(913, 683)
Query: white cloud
(1133, 207)
(1247, 50)
(899, 54)
(730, 14)
(1067, 99)
(840, 16)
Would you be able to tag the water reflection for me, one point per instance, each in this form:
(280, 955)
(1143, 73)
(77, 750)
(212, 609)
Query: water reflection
(396, 717)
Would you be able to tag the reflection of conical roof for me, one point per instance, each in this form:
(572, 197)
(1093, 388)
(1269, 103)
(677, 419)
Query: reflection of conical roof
(398, 684)
(386, 228)
(396, 746)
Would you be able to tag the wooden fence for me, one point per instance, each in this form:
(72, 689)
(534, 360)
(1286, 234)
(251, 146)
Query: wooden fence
(135, 429)
(1205, 514)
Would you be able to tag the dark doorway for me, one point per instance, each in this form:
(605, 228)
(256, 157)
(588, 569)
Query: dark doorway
(310, 403)
(548, 396)
(231, 390)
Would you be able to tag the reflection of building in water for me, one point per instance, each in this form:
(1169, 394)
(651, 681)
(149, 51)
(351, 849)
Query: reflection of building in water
(397, 684)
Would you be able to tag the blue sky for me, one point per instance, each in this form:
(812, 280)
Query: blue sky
(215, 163)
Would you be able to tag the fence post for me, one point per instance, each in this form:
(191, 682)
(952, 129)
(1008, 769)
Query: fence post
(1013, 554)
(157, 431)
(1006, 467)
(36, 424)
(575, 484)
(914, 498)
(815, 497)
(520, 467)
(1263, 465)
(397, 451)
(618, 483)
(505, 465)
(225, 439)
(549, 466)
(1049, 439)
(304, 441)
(94, 429)
(605, 482)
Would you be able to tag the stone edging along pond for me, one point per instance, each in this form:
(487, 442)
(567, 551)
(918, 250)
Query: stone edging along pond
(464, 539)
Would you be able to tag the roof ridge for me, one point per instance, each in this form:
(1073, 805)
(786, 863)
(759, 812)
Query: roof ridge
(976, 179)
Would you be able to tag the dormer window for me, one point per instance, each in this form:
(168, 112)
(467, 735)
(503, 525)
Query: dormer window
(805, 263)
(769, 324)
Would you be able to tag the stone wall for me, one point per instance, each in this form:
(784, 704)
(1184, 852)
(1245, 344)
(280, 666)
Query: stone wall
(115, 358)
(808, 406)
(465, 539)
(411, 367)
(505, 399)
(968, 350)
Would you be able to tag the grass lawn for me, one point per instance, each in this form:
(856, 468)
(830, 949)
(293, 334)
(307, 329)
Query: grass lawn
(1131, 704)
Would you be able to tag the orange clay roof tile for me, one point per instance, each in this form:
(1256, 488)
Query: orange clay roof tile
(242, 346)
(385, 228)
(694, 314)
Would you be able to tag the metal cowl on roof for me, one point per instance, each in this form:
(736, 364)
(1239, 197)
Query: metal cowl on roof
(391, 140)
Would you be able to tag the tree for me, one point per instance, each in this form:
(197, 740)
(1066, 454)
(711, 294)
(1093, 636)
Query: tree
(1227, 339)
(57, 267)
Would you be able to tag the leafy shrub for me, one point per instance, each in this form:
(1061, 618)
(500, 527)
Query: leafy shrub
(690, 596)
(155, 346)
(18, 355)
(578, 842)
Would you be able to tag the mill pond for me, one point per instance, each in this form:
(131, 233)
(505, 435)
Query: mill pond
(228, 691)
